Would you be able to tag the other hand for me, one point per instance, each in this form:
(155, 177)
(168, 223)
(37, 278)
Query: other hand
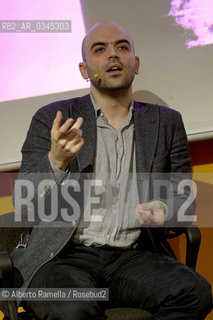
(151, 213)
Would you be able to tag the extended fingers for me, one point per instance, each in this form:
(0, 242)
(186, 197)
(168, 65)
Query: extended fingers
(68, 129)
(66, 140)
(78, 123)
(57, 121)
(75, 133)
(74, 137)
(57, 129)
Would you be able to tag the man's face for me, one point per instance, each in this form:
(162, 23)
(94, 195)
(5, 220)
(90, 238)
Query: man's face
(109, 53)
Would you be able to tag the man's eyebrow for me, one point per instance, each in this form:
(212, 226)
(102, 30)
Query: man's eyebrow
(98, 43)
(102, 43)
(123, 41)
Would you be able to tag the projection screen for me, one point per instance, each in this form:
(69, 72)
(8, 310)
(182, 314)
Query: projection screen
(173, 38)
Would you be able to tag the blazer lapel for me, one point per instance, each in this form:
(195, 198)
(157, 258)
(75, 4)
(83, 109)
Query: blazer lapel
(83, 108)
(146, 122)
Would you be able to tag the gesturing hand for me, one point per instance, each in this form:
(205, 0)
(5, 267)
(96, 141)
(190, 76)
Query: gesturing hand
(66, 141)
(151, 213)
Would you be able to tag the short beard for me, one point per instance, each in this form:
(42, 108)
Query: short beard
(103, 86)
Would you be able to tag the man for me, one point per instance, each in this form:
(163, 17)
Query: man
(106, 134)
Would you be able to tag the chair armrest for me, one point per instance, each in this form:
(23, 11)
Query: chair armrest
(6, 269)
(6, 279)
(193, 239)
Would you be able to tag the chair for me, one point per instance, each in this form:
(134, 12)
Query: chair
(9, 238)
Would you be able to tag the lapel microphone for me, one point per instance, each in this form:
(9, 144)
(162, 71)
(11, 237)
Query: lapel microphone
(97, 78)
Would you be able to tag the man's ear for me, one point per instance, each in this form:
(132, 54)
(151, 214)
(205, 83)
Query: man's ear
(83, 70)
(137, 61)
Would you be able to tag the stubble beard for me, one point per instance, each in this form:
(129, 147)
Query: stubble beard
(113, 83)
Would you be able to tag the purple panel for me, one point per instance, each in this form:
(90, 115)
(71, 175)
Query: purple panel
(34, 64)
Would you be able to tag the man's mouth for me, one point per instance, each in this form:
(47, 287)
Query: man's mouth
(114, 69)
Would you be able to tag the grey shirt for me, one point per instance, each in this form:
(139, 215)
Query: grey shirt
(111, 221)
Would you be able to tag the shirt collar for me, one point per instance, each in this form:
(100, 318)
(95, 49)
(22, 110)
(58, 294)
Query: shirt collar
(98, 109)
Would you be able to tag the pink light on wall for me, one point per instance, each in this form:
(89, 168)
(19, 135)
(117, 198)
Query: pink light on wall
(196, 15)
(34, 64)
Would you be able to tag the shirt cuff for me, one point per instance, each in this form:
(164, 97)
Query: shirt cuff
(60, 175)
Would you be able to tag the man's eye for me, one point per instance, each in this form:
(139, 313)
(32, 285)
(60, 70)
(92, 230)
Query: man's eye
(123, 47)
(99, 49)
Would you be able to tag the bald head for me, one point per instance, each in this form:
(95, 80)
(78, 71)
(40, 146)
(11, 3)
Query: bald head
(104, 29)
(108, 46)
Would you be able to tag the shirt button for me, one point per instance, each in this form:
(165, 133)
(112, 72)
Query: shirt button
(45, 192)
(47, 188)
(52, 255)
(73, 223)
(108, 236)
(42, 195)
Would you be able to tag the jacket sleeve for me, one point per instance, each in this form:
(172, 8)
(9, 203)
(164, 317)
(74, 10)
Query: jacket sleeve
(180, 198)
(37, 180)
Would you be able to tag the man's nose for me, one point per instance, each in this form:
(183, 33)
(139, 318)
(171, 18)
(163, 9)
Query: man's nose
(113, 53)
